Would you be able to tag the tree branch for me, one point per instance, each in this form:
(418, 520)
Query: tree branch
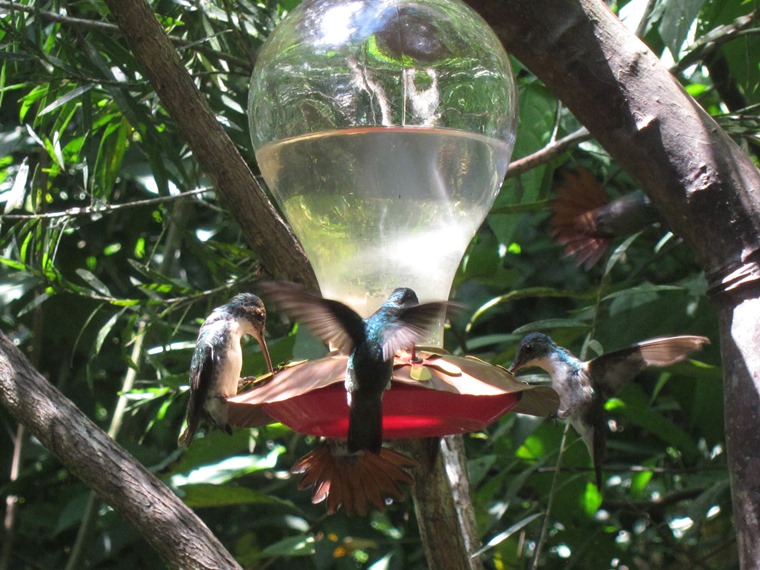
(110, 208)
(548, 153)
(642, 116)
(172, 529)
(442, 503)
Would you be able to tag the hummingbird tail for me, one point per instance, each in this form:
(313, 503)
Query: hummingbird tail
(365, 424)
(354, 482)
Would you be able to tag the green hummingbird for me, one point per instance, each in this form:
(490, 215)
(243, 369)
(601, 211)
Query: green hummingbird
(218, 359)
(369, 343)
(585, 386)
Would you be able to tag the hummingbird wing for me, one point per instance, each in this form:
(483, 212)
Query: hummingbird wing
(411, 324)
(611, 371)
(201, 376)
(333, 322)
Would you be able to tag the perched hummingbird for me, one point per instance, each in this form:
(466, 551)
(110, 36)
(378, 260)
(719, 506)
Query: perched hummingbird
(370, 343)
(584, 221)
(583, 387)
(218, 359)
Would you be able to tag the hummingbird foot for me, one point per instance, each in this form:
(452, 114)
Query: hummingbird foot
(356, 481)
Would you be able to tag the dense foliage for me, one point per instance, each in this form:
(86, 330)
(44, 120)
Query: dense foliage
(109, 265)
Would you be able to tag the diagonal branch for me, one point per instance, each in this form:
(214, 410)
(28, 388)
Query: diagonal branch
(172, 529)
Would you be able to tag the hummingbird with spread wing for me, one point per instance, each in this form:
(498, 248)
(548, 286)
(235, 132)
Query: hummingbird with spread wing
(370, 344)
(218, 359)
(585, 386)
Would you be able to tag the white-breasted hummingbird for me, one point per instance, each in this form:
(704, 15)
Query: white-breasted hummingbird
(585, 386)
(218, 359)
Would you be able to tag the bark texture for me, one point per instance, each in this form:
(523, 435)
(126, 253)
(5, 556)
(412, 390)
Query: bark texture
(173, 530)
(268, 235)
(705, 187)
(442, 503)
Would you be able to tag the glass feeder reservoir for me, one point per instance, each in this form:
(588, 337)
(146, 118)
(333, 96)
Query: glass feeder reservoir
(383, 128)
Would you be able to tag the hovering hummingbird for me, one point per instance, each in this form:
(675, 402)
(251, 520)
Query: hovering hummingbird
(370, 344)
(218, 359)
(584, 221)
(584, 386)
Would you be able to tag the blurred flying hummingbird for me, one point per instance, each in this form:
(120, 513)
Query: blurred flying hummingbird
(585, 221)
(584, 386)
(370, 344)
(218, 359)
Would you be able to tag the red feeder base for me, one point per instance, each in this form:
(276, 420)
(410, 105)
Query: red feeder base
(408, 412)
(433, 395)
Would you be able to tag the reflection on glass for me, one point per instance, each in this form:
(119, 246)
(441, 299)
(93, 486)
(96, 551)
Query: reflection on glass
(384, 129)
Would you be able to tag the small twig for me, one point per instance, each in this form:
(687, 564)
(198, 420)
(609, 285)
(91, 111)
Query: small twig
(641, 28)
(713, 39)
(550, 501)
(548, 153)
(11, 500)
(639, 469)
(657, 504)
(89, 210)
(93, 502)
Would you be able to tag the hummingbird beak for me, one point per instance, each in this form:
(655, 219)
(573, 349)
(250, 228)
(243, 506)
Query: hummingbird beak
(515, 366)
(259, 336)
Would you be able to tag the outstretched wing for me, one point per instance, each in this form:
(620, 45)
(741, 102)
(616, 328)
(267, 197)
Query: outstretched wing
(333, 322)
(621, 366)
(412, 324)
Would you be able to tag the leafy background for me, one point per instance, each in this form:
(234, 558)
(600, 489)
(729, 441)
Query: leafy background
(114, 250)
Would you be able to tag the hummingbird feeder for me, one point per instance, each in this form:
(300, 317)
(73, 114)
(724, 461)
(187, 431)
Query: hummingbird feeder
(383, 129)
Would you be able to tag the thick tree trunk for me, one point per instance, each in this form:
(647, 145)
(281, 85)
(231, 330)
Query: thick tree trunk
(704, 185)
(172, 529)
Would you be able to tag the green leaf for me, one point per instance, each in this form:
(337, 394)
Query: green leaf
(206, 495)
(12, 264)
(592, 499)
(548, 324)
(103, 332)
(634, 404)
(292, 546)
(677, 17)
(502, 536)
(62, 100)
(635, 297)
(93, 281)
(539, 292)
(619, 252)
